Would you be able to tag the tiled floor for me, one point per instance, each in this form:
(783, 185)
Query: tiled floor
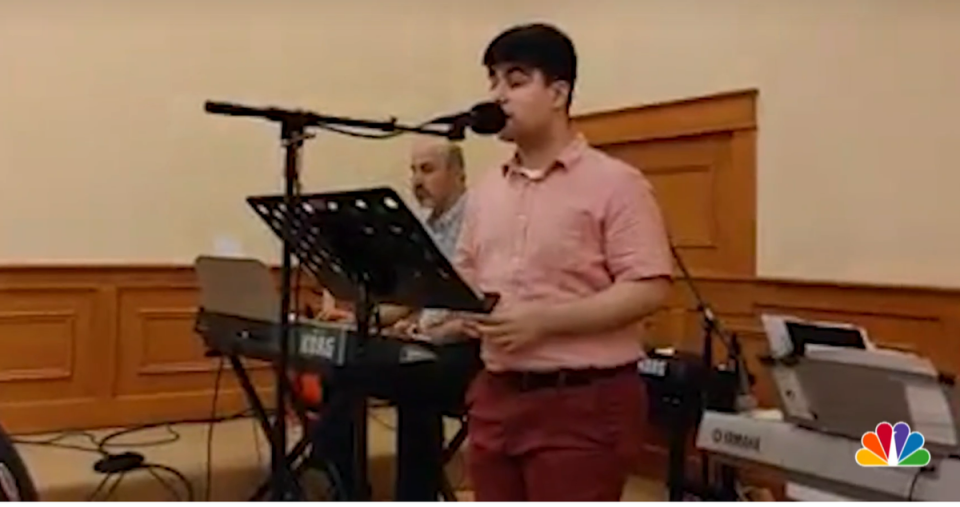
(240, 462)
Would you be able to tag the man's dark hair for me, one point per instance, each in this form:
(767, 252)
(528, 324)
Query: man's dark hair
(539, 47)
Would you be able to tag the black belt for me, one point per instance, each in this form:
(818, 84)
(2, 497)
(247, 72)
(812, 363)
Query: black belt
(532, 381)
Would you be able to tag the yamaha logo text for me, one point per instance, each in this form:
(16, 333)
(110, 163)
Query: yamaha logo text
(735, 439)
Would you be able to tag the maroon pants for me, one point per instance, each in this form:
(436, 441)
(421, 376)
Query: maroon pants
(571, 443)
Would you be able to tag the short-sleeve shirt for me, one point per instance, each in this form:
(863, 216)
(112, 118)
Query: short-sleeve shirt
(588, 222)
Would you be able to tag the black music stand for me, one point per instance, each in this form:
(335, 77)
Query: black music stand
(366, 246)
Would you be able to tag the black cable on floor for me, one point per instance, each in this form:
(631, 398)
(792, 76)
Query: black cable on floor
(60, 445)
(106, 440)
(122, 464)
(92, 497)
(56, 439)
(166, 485)
(113, 489)
(176, 473)
(111, 464)
(173, 437)
(100, 446)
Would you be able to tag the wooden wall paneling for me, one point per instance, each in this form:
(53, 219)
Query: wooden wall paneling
(50, 337)
(95, 346)
(699, 156)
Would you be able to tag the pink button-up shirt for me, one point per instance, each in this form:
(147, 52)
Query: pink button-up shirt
(587, 223)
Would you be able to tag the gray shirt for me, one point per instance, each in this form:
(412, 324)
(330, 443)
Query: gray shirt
(445, 231)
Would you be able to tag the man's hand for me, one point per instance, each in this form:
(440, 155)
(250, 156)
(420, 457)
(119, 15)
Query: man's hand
(514, 327)
(454, 327)
(334, 315)
(405, 327)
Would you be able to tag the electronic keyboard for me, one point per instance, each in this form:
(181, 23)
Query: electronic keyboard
(314, 346)
(823, 463)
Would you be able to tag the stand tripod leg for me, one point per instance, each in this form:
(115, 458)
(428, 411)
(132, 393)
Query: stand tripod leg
(357, 398)
(258, 409)
(728, 484)
(298, 451)
(260, 412)
(677, 470)
(363, 492)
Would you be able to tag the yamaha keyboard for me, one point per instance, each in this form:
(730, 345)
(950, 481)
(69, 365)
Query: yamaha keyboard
(855, 421)
(314, 346)
(817, 462)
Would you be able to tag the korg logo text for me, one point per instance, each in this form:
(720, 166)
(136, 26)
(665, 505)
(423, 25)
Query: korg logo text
(319, 346)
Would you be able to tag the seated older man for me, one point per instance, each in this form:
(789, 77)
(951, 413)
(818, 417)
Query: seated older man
(423, 392)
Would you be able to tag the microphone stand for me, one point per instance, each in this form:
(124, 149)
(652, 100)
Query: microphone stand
(711, 327)
(293, 133)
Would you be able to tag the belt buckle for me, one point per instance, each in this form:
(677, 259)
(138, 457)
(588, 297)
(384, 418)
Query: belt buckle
(526, 382)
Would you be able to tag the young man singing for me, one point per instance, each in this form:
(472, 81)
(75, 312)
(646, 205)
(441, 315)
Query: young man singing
(574, 243)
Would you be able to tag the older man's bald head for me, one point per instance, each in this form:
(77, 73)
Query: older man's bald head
(437, 173)
(440, 151)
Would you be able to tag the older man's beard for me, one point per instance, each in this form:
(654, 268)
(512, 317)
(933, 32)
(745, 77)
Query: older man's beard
(424, 199)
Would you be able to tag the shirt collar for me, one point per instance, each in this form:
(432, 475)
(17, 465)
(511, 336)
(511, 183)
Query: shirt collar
(567, 157)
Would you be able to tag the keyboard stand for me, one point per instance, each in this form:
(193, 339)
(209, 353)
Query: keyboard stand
(296, 457)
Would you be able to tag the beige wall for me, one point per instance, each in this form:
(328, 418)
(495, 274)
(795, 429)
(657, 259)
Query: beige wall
(106, 155)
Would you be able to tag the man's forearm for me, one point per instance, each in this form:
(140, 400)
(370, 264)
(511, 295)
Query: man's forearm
(622, 304)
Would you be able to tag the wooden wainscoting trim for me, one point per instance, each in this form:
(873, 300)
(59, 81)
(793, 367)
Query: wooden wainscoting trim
(723, 112)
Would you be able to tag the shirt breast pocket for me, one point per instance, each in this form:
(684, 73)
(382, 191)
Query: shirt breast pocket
(569, 241)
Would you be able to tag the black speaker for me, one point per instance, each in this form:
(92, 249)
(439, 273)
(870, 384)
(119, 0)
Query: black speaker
(15, 482)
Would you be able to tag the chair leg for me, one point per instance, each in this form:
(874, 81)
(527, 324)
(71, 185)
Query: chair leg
(446, 489)
(455, 444)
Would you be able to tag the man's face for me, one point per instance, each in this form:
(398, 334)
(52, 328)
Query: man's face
(432, 179)
(530, 101)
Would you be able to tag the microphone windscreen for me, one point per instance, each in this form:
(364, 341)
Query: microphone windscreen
(487, 118)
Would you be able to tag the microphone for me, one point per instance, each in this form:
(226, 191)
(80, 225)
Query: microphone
(485, 118)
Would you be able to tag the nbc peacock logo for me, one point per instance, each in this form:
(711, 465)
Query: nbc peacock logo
(892, 446)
